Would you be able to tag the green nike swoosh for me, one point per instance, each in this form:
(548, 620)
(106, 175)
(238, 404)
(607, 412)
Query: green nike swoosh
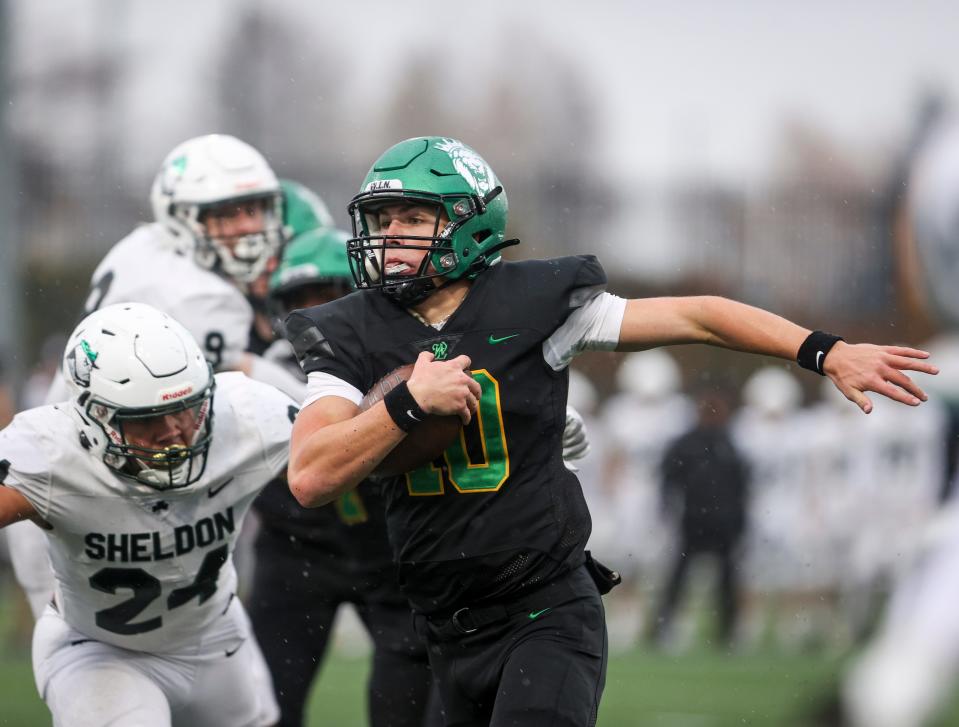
(537, 614)
(493, 339)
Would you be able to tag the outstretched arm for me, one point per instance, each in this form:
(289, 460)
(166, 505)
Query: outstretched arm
(853, 368)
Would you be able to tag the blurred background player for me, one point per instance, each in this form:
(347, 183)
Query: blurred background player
(303, 211)
(771, 433)
(141, 480)
(705, 492)
(648, 411)
(218, 233)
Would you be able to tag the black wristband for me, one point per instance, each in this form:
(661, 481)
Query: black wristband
(402, 407)
(812, 354)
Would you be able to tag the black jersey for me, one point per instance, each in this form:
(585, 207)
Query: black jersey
(498, 513)
(353, 526)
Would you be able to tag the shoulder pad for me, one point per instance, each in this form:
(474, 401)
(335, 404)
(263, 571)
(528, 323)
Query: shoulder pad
(309, 343)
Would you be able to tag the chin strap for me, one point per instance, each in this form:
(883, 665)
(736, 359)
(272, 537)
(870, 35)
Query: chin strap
(482, 262)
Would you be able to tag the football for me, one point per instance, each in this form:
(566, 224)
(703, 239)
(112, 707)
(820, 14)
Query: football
(424, 442)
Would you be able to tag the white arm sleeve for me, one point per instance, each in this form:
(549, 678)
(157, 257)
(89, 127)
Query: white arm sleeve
(270, 372)
(592, 327)
(319, 384)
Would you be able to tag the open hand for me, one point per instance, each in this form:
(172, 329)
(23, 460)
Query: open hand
(861, 367)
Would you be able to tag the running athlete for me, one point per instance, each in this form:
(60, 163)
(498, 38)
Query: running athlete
(489, 539)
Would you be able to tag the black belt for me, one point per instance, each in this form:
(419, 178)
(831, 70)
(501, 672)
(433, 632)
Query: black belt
(560, 590)
(470, 619)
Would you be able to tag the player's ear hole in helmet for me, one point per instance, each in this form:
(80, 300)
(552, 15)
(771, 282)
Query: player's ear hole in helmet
(465, 199)
(220, 196)
(144, 392)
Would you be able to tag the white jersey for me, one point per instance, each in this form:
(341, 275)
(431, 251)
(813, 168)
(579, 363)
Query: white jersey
(785, 531)
(137, 567)
(640, 431)
(147, 267)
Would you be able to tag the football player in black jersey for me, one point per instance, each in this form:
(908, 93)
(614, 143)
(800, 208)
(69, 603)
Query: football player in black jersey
(309, 562)
(489, 538)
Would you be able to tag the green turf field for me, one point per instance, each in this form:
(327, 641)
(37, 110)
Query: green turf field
(700, 689)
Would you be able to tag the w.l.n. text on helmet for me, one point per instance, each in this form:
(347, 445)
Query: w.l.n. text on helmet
(380, 184)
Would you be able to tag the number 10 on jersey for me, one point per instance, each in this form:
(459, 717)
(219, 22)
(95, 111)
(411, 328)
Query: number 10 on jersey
(479, 460)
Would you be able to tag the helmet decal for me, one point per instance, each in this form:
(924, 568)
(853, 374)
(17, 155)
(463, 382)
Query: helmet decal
(176, 393)
(81, 360)
(179, 164)
(171, 173)
(470, 165)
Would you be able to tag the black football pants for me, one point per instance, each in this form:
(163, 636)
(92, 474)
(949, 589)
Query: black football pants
(535, 669)
(297, 589)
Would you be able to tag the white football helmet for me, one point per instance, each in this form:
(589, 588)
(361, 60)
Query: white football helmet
(650, 375)
(210, 171)
(130, 365)
(772, 391)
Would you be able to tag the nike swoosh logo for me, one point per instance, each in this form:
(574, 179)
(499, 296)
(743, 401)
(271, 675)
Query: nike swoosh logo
(818, 356)
(409, 413)
(214, 491)
(232, 652)
(494, 340)
(537, 614)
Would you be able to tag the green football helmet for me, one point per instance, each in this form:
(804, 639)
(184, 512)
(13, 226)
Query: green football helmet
(439, 172)
(313, 269)
(303, 210)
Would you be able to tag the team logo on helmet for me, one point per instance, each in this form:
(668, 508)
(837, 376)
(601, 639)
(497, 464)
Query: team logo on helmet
(178, 165)
(172, 172)
(470, 165)
(81, 361)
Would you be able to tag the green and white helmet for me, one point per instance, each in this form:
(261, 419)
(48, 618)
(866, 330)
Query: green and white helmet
(303, 210)
(433, 171)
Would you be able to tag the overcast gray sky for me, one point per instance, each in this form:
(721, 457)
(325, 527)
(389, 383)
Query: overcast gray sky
(680, 85)
(695, 87)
